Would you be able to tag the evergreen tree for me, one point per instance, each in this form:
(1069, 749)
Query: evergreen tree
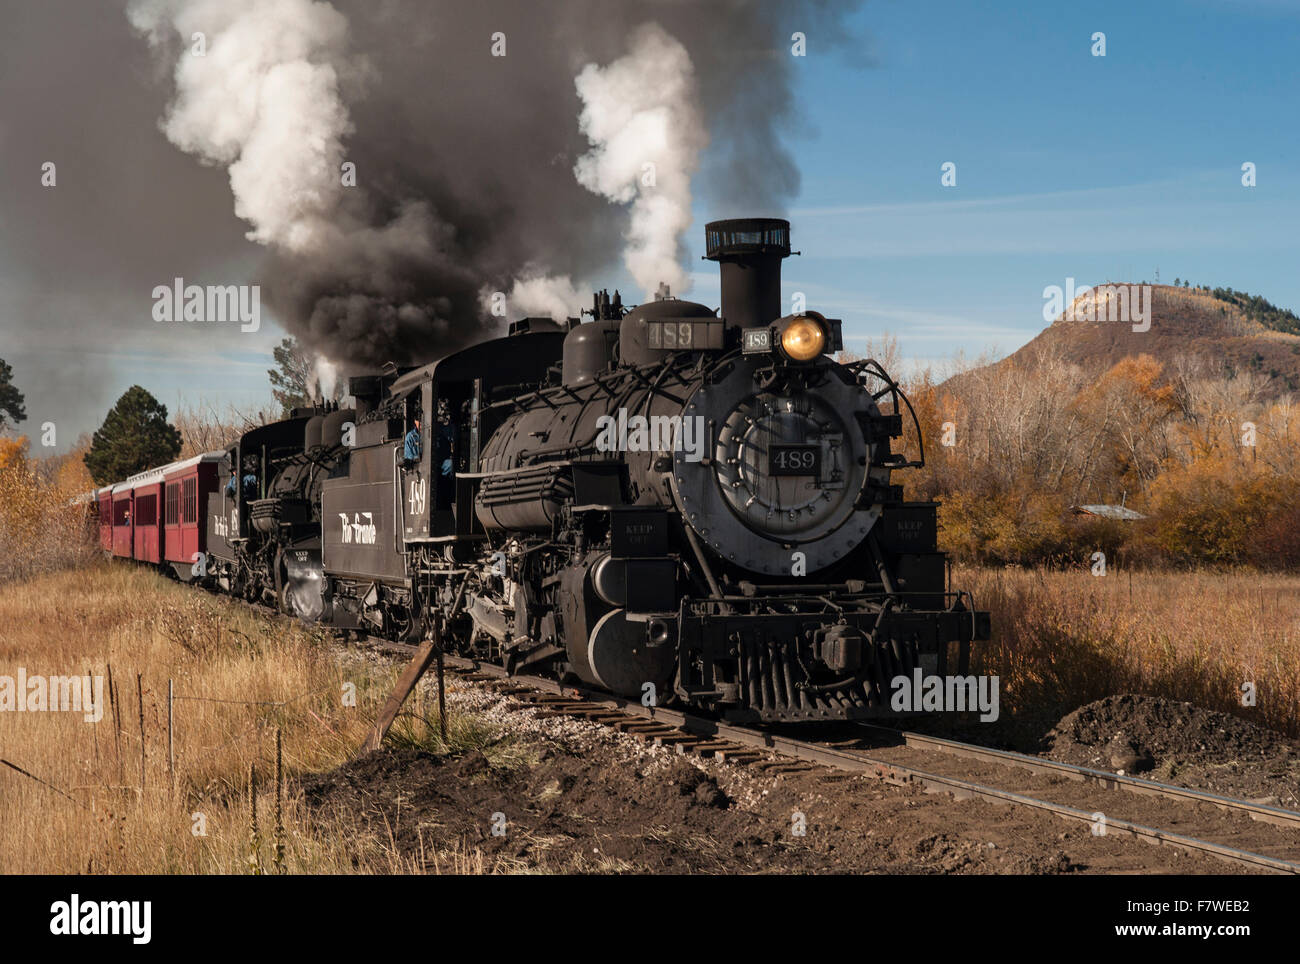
(290, 377)
(135, 436)
(294, 380)
(11, 400)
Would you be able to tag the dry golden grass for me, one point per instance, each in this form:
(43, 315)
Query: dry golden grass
(275, 675)
(1062, 639)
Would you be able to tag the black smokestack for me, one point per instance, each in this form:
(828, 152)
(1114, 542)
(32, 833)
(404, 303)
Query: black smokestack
(749, 252)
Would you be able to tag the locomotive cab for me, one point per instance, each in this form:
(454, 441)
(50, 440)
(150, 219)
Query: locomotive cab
(453, 399)
(389, 521)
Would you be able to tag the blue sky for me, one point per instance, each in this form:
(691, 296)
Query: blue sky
(1068, 165)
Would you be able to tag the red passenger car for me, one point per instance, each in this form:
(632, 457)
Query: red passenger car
(187, 486)
(146, 516)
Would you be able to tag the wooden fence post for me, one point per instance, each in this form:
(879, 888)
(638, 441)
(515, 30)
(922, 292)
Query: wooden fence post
(442, 691)
(171, 734)
(139, 693)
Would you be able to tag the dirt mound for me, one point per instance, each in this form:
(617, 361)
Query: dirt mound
(1138, 734)
(516, 814)
(600, 811)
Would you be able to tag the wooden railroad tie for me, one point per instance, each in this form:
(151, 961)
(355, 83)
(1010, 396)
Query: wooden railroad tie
(676, 738)
(703, 748)
(782, 767)
(642, 727)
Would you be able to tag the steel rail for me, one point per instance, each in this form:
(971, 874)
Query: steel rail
(1257, 811)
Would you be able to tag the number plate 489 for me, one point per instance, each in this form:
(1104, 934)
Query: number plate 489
(794, 460)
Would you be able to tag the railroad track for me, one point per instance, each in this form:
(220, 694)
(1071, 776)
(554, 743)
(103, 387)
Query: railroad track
(701, 736)
(932, 763)
(1208, 823)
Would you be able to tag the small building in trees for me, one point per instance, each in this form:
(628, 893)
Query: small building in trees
(1118, 512)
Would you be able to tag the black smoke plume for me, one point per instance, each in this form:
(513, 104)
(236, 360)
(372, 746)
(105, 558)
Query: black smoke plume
(464, 160)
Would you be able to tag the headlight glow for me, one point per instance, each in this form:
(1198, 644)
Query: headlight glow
(803, 340)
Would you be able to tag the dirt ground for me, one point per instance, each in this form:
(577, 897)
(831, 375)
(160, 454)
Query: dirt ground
(1180, 743)
(574, 796)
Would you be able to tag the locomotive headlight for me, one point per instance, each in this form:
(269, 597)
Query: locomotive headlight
(803, 340)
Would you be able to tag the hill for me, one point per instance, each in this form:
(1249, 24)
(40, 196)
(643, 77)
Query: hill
(1228, 332)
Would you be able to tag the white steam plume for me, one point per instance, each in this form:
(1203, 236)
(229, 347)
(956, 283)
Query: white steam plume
(323, 381)
(263, 100)
(640, 115)
(539, 295)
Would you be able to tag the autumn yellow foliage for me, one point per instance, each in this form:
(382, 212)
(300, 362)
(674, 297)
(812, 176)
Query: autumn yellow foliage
(1211, 461)
(45, 521)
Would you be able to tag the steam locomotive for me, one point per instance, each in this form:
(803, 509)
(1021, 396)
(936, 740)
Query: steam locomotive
(670, 503)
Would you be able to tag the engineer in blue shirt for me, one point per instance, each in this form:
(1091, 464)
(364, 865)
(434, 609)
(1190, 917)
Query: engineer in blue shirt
(413, 446)
(249, 481)
(444, 444)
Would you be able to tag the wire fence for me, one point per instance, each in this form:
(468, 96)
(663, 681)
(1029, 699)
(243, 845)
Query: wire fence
(243, 733)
